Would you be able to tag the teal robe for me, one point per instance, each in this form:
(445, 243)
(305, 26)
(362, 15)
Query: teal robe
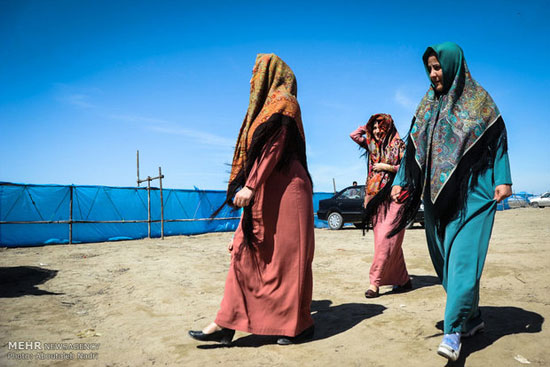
(459, 256)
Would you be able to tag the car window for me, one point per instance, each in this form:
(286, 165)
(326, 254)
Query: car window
(547, 195)
(351, 193)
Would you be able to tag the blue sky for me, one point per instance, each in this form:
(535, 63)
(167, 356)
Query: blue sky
(84, 84)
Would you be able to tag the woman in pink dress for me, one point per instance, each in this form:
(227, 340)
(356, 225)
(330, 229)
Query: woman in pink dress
(268, 288)
(385, 149)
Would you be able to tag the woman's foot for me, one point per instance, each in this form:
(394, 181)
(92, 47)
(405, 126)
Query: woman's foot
(372, 292)
(211, 328)
(403, 288)
(450, 346)
(213, 333)
(305, 335)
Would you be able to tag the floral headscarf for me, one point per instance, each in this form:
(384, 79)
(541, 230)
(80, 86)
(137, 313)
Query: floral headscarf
(272, 91)
(454, 138)
(388, 149)
(448, 126)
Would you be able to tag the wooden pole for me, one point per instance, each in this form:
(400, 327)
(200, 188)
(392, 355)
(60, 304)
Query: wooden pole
(148, 207)
(71, 214)
(149, 179)
(161, 206)
(138, 181)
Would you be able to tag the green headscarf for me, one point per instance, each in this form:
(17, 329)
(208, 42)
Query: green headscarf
(451, 58)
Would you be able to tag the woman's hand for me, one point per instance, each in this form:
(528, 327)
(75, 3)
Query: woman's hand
(502, 192)
(395, 192)
(243, 197)
(382, 167)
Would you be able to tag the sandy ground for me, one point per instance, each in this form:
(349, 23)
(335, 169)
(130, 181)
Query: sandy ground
(137, 299)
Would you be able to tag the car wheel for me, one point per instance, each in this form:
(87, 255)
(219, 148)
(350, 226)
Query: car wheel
(335, 221)
(535, 205)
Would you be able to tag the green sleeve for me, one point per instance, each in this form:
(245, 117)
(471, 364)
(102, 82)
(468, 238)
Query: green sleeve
(502, 167)
(399, 179)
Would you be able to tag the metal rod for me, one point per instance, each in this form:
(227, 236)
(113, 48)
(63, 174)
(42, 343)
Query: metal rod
(71, 215)
(200, 219)
(334, 184)
(138, 180)
(161, 206)
(148, 207)
(113, 221)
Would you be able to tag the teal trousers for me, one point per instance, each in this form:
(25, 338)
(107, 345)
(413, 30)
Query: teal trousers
(459, 256)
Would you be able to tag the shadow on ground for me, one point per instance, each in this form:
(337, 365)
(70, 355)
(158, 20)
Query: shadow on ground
(21, 281)
(418, 281)
(421, 281)
(499, 322)
(329, 321)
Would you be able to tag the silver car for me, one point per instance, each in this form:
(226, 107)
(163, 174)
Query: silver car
(517, 201)
(540, 201)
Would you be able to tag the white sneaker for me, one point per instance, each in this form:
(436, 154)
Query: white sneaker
(450, 346)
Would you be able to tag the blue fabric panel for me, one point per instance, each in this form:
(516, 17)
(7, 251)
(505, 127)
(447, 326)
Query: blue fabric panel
(33, 203)
(110, 203)
(318, 196)
(22, 202)
(14, 235)
(100, 232)
(100, 203)
(195, 204)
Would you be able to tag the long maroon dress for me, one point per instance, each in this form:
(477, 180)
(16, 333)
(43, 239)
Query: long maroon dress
(268, 290)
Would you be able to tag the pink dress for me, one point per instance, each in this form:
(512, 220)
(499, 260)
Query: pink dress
(388, 265)
(268, 291)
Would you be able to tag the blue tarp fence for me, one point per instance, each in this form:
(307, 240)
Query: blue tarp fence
(76, 214)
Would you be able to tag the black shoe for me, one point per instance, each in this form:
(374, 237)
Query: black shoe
(403, 288)
(305, 335)
(372, 294)
(223, 336)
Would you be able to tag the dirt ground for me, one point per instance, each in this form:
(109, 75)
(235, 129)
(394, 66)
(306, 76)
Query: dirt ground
(132, 302)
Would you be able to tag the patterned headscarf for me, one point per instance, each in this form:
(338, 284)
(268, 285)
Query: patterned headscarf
(272, 90)
(389, 149)
(449, 125)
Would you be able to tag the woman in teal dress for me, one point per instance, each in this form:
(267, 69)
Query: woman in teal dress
(456, 160)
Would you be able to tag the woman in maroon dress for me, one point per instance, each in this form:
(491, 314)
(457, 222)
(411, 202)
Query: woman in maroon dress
(269, 285)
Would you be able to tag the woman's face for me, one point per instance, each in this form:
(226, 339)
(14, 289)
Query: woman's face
(376, 131)
(436, 73)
